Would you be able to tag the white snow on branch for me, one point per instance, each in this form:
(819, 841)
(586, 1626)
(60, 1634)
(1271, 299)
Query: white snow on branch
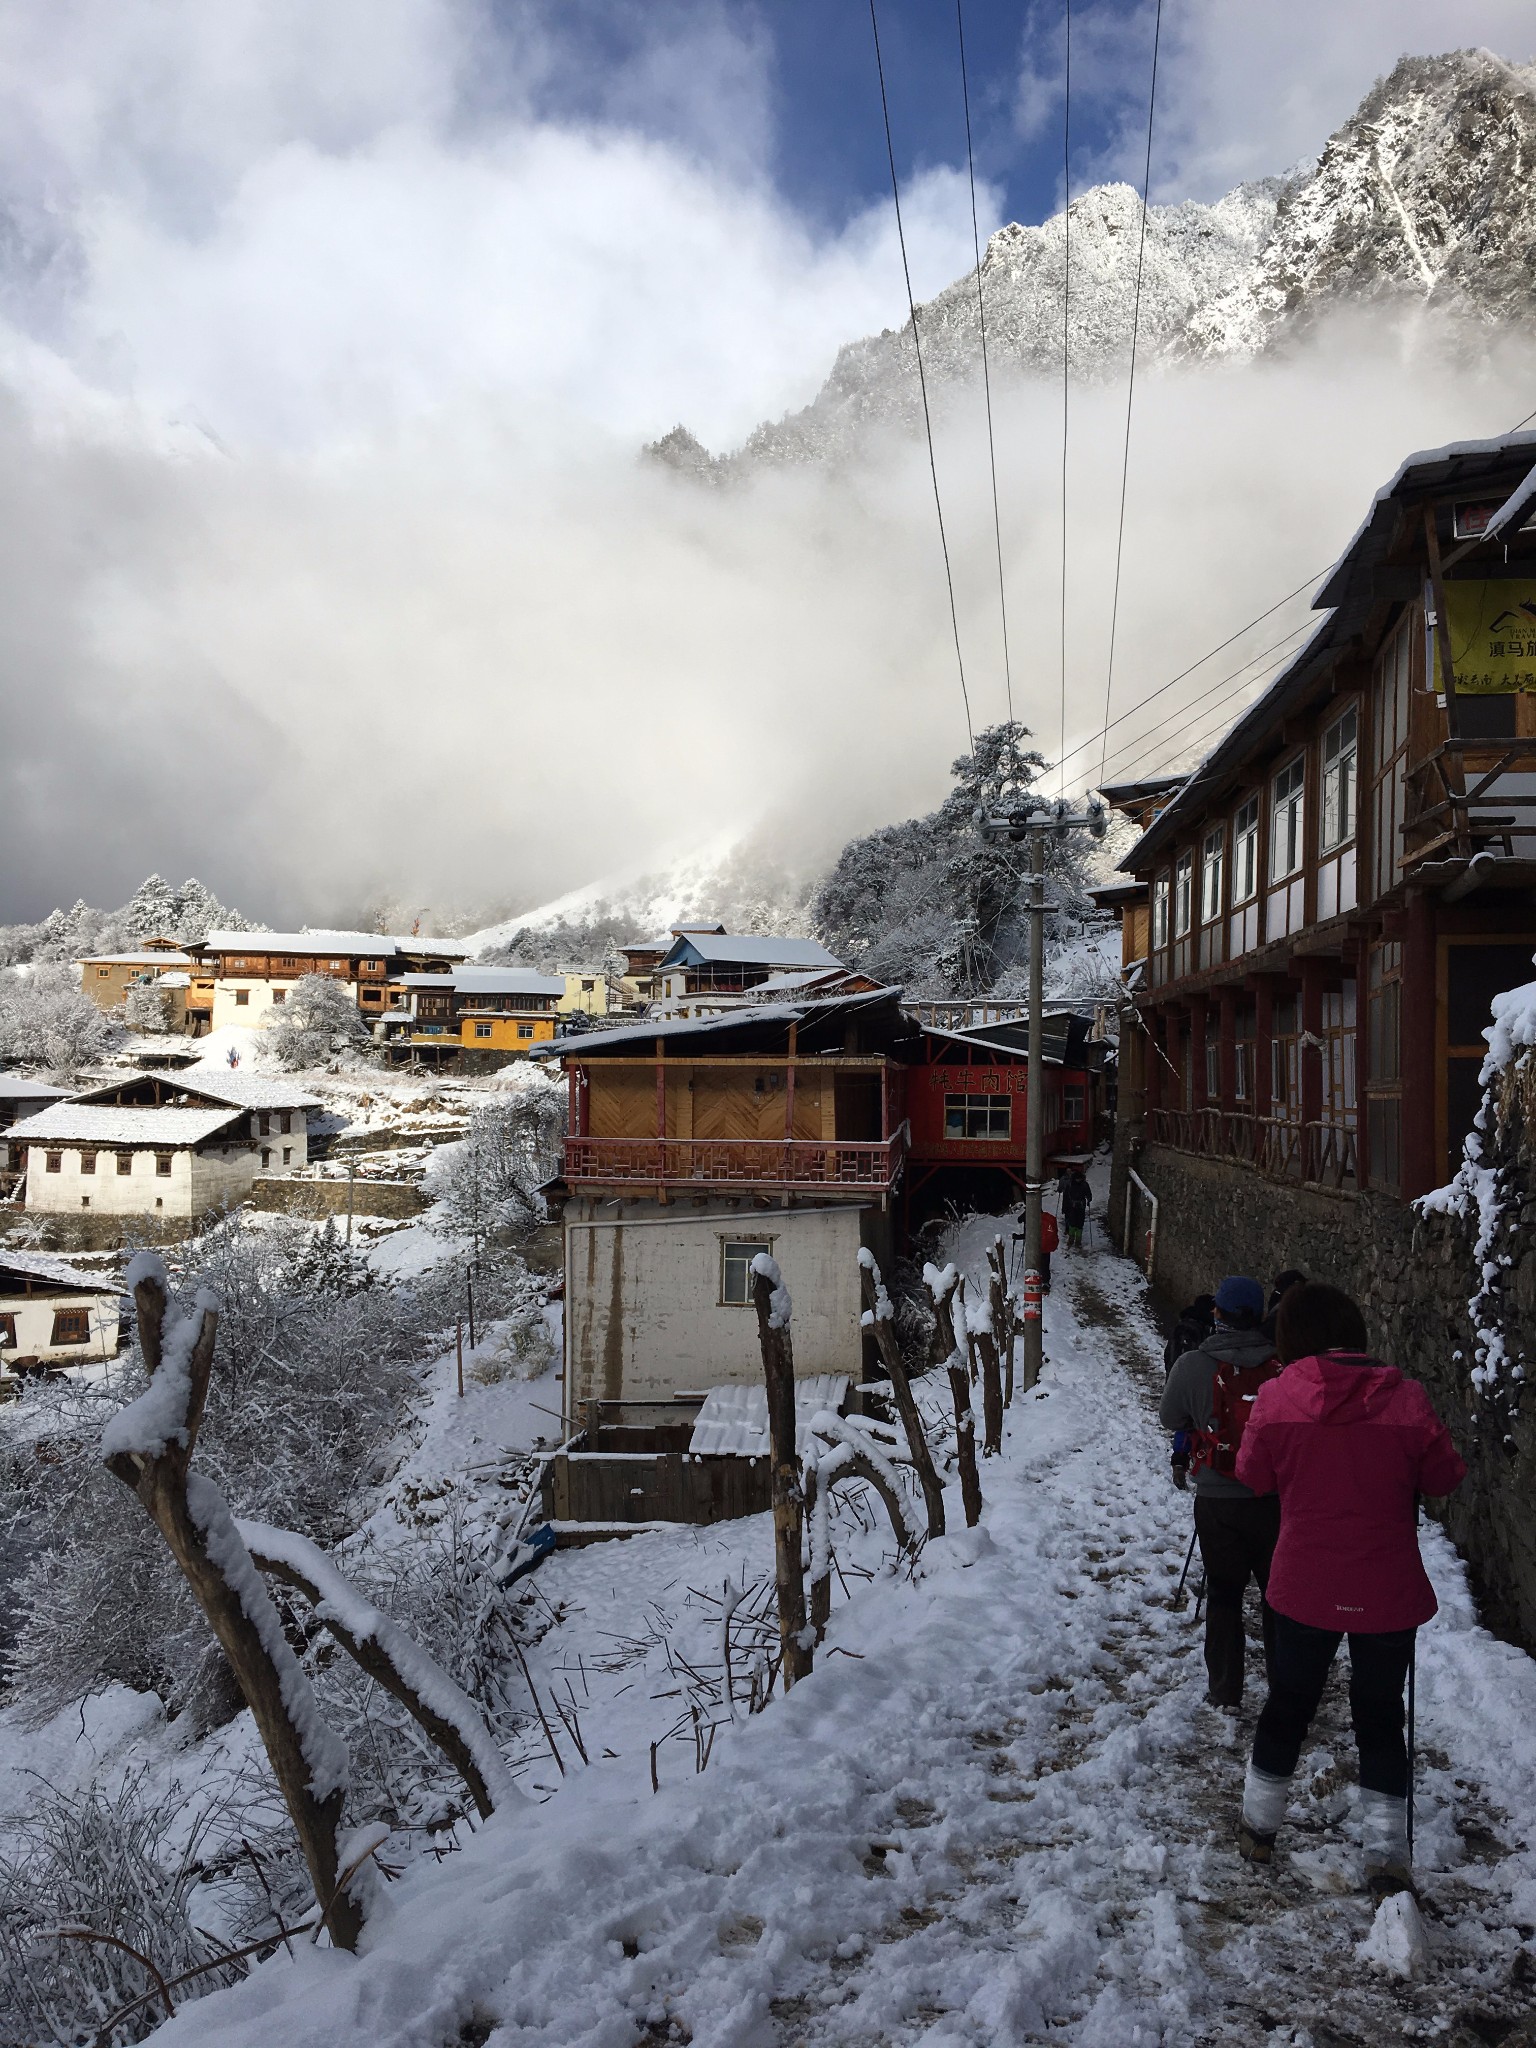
(341, 1602)
(837, 1430)
(158, 1417)
(780, 1307)
(884, 1308)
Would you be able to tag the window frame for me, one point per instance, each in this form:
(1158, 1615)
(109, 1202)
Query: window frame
(1184, 893)
(124, 1162)
(1213, 863)
(1162, 908)
(987, 1108)
(76, 1317)
(748, 1248)
(1294, 798)
(8, 1337)
(1348, 785)
(1245, 848)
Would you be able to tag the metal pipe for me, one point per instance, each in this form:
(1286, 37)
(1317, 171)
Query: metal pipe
(1134, 1181)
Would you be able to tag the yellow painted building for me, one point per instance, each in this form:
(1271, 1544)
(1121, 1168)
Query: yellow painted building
(502, 1031)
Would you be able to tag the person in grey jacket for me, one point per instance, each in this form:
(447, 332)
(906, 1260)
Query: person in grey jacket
(1237, 1529)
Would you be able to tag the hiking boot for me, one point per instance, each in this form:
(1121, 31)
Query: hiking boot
(1385, 1880)
(1223, 1706)
(1252, 1846)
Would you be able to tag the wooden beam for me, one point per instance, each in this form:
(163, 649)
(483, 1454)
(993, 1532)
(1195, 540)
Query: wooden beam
(1442, 623)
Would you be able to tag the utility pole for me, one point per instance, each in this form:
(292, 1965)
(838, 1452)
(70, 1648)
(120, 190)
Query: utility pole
(1032, 820)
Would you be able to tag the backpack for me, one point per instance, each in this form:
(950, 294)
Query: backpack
(1233, 1393)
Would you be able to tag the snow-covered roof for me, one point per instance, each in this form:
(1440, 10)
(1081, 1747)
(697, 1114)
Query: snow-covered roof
(115, 1123)
(17, 1088)
(744, 949)
(162, 958)
(507, 981)
(364, 945)
(39, 1266)
(218, 1084)
(733, 1421)
(173, 980)
(593, 1043)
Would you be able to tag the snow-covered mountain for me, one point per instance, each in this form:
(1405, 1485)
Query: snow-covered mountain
(1425, 196)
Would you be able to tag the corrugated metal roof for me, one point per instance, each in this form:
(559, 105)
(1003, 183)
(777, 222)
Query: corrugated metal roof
(85, 1123)
(507, 981)
(733, 1421)
(38, 1266)
(732, 949)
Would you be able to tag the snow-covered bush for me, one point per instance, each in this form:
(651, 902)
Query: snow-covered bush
(318, 1021)
(487, 1186)
(147, 1007)
(47, 1021)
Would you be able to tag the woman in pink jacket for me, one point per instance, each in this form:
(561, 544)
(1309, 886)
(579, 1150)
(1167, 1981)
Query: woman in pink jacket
(1348, 1444)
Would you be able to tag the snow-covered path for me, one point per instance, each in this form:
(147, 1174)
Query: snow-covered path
(1004, 1815)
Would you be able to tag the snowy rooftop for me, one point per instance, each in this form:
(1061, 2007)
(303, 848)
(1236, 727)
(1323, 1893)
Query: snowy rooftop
(38, 1266)
(507, 981)
(740, 949)
(162, 958)
(218, 1084)
(367, 945)
(733, 1422)
(736, 1020)
(113, 1123)
(17, 1088)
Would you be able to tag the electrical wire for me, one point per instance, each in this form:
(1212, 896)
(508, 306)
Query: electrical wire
(986, 374)
(1066, 380)
(1130, 388)
(922, 380)
(1144, 745)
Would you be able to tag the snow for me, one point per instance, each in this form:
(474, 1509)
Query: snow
(733, 1421)
(368, 945)
(780, 1307)
(78, 1123)
(1396, 1941)
(44, 1267)
(750, 950)
(146, 1426)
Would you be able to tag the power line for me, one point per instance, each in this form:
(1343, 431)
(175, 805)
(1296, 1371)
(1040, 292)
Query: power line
(1130, 388)
(986, 374)
(1172, 740)
(1066, 381)
(922, 381)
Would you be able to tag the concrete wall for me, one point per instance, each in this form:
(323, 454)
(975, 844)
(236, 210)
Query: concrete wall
(644, 1319)
(258, 1009)
(197, 1181)
(33, 1315)
(1413, 1276)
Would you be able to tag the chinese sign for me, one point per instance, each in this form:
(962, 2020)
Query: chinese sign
(1493, 636)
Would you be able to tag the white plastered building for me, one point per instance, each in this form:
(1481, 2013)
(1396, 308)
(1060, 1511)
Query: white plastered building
(51, 1314)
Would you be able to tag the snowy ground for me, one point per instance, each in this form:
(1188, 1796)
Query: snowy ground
(999, 1811)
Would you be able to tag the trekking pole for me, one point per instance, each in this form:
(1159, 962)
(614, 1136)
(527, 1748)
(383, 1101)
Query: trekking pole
(1178, 1598)
(1200, 1596)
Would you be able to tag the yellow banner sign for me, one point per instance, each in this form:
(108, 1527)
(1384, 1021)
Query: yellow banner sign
(1493, 637)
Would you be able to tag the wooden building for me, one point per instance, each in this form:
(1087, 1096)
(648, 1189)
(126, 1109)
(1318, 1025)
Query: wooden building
(1318, 917)
(160, 1144)
(254, 973)
(706, 972)
(52, 1315)
(185, 983)
(500, 1011)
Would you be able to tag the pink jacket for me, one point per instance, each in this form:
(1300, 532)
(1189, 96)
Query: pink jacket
(1347, 1443)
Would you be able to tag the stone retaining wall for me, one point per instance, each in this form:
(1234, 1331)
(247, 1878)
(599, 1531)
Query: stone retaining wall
(1414, 1277)
(290, 1196)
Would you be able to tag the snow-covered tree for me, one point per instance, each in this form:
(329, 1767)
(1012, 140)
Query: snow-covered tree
(934, 905)
(488, 1185)
(147, 1007)
(318, 1021)
(46, 1021)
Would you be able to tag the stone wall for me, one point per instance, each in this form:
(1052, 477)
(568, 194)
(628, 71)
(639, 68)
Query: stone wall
(293, 1197)
(1414, 1276)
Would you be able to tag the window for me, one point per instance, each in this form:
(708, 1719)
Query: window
(7, 1333)
(373, 966)
(285, 1122)
(103, 972)
(159, 1201)
(266, 1155)
(287, 1155)
(1245, 851)
(1211, 858)
(1339, 751)
(1391, 694)
(85, 1201)
(736, 1256)
(1074, 1103)
(1159, 913)
(87, 1162)
(484, 1031)
(125, 1162)
(1212, 1062)
(978, 1116)
(266, 1125)
(279, 995)
(71, 1326)
(55, 1162)
(1285, 819)
(242, 997)
(1183, 894)
(290, 959)
(373, 995)
(523, 1031)
(163, 1167)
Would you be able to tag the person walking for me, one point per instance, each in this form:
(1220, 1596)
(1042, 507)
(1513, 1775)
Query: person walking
(1343, 1445)
(1076, 1200)
(1284, 1282)
(1209, 1393)
(1050, 1238)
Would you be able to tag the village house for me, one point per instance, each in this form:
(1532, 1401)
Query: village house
(160, 1144)
(705, 972)
(254, 973)
(801, 1129)
(1318, 918)
(502, 1011)
(185, 985)
(51, 1315)
(586, 995)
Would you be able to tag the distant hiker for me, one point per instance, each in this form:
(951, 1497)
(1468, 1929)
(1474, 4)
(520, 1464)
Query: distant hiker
(233, 1056)
(1345, 1445)
(1050, 1238)
(1076, 1200)
(1210, 1394)
(1284, 1282)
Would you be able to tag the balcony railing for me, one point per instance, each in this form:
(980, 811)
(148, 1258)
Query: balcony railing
(1472, 796)
(736, 1162)
(1325, 1153)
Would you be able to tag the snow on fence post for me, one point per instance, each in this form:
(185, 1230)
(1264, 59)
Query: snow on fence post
(770, 1297)
(149, 1445)
(941, 1287)
(879, 1320)
(979, 1337)
(394, 1659)
(1004, 1323)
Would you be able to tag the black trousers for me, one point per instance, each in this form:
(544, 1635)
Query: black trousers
(1378, 1671)
(1237, 1541)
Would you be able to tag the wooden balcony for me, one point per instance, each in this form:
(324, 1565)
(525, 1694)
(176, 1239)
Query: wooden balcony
(735, 1162)
(1471, 796)
(1324, 1154)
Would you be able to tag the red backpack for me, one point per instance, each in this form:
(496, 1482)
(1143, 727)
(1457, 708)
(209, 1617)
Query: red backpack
(1233, 1393)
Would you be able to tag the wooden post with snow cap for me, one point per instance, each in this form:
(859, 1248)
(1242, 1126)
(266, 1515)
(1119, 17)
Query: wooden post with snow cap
(1004, 1327)
(941, 1286)
(149, 1446)
(771, 1300)
(879, 1319)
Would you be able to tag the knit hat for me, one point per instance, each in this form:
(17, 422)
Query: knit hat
(1237, 1293)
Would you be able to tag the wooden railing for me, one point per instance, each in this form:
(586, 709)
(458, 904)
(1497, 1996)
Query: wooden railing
(1458, 808)
(736, 1162)
(1325, 1153)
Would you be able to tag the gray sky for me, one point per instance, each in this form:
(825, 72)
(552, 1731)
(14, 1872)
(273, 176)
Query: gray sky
(328, 331)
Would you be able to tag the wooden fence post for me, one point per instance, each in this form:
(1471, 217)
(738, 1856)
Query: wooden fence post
(771, 1300)
(940, 1287)
(1004, 1323)
(882, 1327)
